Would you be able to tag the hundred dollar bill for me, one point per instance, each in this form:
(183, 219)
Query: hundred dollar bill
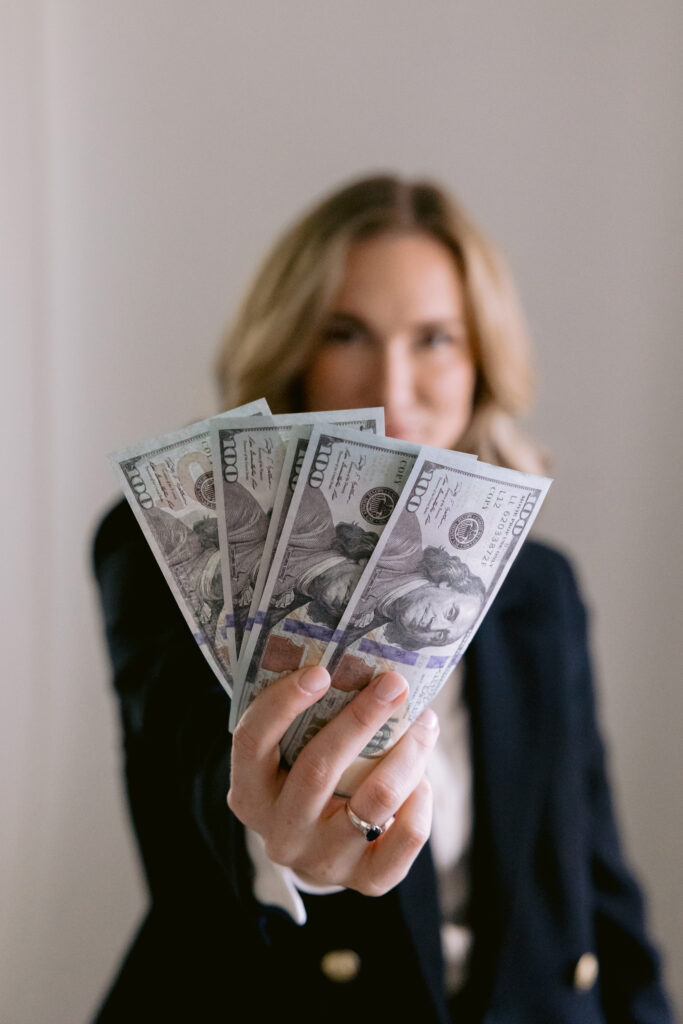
(289, 476)
(433, 574)
(347, 488)
(169, 484)
(248, 457)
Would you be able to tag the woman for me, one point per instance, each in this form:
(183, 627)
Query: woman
(519, 907)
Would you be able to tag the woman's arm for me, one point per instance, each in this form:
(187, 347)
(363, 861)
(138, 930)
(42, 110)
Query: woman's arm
(174, 716)
(178, 749)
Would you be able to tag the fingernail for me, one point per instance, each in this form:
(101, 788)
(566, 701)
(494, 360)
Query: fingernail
(389, 687)
(428, 719)
(314, 679)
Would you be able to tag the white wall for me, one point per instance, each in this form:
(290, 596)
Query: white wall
(150, 153)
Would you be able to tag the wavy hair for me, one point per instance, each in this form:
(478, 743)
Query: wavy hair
(267, 348)
(439, 567)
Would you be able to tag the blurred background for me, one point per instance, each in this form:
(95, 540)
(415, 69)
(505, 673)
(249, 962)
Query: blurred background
(150, 153)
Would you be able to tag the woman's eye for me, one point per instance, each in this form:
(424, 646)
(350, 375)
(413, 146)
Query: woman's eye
(440, 337)
(341, 334)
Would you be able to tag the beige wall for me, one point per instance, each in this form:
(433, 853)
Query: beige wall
(150, 151)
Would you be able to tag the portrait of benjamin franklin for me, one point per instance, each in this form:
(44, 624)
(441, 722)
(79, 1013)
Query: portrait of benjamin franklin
(192, 554)
(424, 597)
(322, 563)
(246, 527)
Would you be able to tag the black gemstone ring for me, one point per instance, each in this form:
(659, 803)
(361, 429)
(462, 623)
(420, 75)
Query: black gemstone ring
(368, 828)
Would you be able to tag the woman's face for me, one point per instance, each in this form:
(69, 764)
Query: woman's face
(396, 336)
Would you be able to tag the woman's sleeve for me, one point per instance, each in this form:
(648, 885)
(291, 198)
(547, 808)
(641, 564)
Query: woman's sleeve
(174, 717)
(630, 973)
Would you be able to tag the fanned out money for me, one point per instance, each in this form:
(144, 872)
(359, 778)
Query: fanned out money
(346, 487)
(324, 542)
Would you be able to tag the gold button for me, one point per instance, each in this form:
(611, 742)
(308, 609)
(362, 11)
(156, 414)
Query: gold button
(586, 972)
(340, 965)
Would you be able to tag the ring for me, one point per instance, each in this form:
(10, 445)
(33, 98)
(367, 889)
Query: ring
(369, 830)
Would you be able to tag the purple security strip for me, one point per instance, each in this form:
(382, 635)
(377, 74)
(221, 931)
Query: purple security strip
(309, 629)
(390, 653)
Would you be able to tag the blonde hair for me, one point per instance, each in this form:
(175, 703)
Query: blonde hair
(269, 344)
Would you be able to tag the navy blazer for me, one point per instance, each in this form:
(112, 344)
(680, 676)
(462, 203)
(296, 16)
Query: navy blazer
(549, 882)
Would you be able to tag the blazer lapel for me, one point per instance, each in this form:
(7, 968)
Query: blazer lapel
(419, 900)
(509, 671)
(508, 687)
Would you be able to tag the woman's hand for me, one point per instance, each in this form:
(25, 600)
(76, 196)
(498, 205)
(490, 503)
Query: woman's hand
(304, 825)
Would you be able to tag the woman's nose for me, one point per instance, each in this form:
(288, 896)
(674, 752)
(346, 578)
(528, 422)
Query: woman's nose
(395, 377)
